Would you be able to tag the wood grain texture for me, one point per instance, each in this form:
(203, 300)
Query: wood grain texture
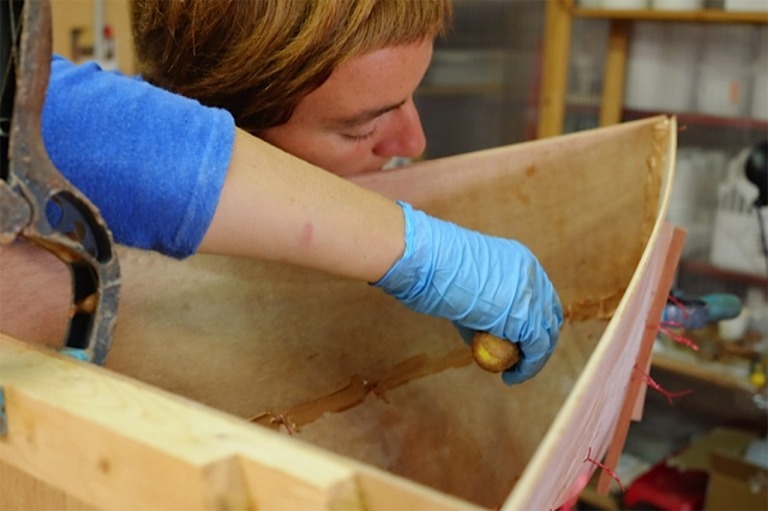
(250, 338)
(114, 443)
(661, 276)
(23, 491)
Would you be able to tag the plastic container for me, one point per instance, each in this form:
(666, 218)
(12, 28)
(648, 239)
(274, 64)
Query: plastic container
(758, 108)
(644, 66)
(693, 200)
(722, 91)
(677, 5)
(625, 4)
(759, 102)
(681, 48)
(724, 71)
(733, 329)
(755, 302)
(662, 67)
(746, 5)
(736, 238)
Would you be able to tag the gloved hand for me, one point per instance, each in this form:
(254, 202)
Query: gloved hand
(481, 283)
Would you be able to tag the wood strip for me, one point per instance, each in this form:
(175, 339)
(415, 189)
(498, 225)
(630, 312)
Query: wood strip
(673, 242)
(585, 425)
(644, 360)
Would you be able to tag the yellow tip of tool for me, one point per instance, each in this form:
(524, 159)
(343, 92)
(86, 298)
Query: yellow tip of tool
(494, 354)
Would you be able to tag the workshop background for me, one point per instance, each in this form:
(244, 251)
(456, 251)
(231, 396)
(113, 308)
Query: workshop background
(516, 70)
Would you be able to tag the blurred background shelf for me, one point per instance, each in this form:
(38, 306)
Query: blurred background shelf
(707, 269)
(688, 118)
(604, 66)
(560, 16)
(719, 374)
(698, 16)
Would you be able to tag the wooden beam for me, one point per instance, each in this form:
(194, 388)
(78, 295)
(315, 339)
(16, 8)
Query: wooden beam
(614, 73)
(554, 80)
(697, 16)
(116, 443)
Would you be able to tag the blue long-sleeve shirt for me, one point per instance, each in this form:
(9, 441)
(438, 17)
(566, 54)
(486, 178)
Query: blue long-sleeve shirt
(153, 162)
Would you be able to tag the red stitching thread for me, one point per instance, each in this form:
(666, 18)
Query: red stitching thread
(651, 383)
(666, 329)
(604, 467)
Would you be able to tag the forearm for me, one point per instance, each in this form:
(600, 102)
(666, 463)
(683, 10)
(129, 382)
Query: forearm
(35, 293)
(278, 207)
(168, 175)
(273, 206)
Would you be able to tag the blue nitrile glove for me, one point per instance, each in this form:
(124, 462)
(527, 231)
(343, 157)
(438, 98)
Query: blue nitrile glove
(481, 283)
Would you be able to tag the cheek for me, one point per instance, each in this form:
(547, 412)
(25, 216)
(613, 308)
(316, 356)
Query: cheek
(326, 151)
(307, 146)
(343, 159)
(330, 154)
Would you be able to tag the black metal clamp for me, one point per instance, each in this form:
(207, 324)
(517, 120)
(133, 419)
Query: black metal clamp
(36, 202)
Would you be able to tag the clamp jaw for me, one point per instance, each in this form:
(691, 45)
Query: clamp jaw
(36, 202)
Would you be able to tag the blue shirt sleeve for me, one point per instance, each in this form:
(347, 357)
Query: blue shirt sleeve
(153, 162)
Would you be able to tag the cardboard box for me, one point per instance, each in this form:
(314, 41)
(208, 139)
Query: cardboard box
(734, 483)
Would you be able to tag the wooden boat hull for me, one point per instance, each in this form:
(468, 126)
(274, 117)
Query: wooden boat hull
(244, 384)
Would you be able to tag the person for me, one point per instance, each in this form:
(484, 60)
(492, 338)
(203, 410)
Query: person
(172, 175)
(329, 82)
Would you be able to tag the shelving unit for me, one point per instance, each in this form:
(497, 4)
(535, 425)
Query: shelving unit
(608, 108)
(481, 77)
(713, 372)
(702, 268)
(722, 381)
(69, 17)
(558, 22)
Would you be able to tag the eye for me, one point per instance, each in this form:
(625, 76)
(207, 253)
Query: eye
(360, 137)
(361, 132)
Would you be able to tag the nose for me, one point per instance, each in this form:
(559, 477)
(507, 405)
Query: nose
(404, 135)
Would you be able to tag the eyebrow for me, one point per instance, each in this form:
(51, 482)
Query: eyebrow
(364, 116)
